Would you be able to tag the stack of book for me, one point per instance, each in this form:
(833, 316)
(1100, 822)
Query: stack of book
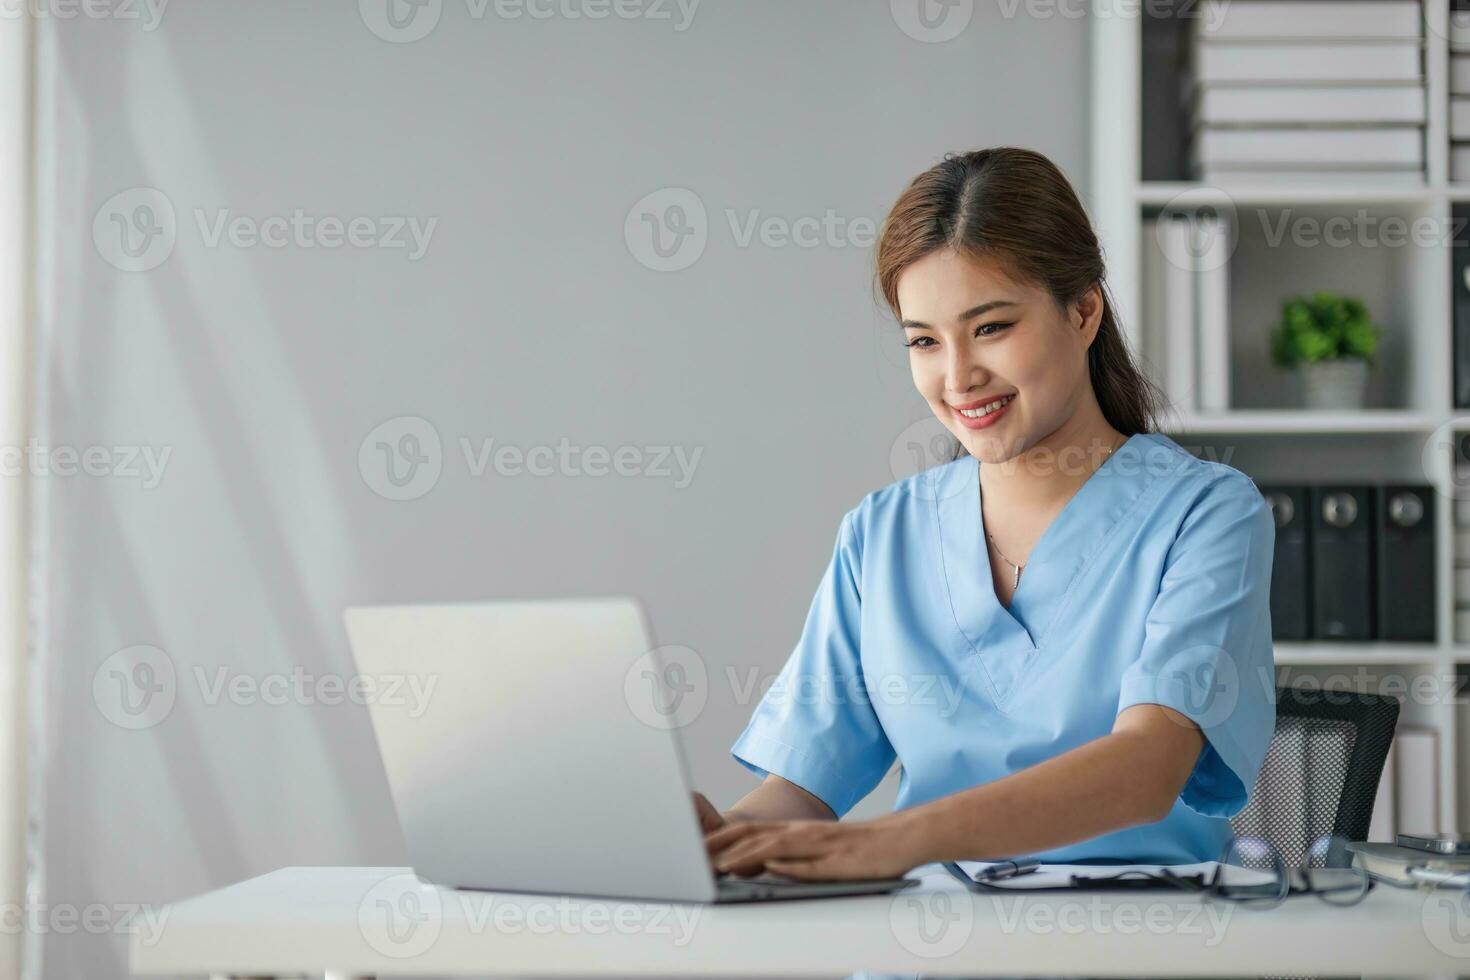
(1462, 556)
(1307, 90)
(1409, 865)
(1460, 97)
(1186, 278)
(1408, 791)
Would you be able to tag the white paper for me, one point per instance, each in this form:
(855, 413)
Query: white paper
(1060, 875)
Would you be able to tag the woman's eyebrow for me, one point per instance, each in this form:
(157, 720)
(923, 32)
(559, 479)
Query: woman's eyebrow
(968, 314)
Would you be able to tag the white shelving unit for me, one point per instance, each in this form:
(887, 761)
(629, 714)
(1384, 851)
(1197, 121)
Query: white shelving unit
(1290, 445)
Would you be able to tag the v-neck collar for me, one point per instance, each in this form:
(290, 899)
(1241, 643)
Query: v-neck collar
(1005, 639)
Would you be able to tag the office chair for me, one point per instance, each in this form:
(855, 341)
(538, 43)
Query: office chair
(1321, 771)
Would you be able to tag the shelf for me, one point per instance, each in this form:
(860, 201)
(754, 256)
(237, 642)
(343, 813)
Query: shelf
(1291, 421)
(1139, 168)
(1330, 653)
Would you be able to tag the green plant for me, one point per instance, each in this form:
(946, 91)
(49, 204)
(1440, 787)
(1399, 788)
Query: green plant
(1321, 328)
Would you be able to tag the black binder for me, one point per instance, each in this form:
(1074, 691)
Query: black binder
(1343, 563)
(1291, 568)
(1405, 520)
(1460, 290)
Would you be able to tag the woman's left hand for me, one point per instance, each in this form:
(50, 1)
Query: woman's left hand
(881, 848)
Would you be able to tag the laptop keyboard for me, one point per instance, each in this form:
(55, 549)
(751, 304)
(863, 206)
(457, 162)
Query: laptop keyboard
(764, 878)
(732, 888)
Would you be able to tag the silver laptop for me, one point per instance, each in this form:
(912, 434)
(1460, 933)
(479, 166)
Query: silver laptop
(528, 749)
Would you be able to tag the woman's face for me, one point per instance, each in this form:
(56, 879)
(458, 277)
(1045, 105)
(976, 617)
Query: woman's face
(978, 340)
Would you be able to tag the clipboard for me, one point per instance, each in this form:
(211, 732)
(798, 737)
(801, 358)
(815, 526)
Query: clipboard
(1091, 878)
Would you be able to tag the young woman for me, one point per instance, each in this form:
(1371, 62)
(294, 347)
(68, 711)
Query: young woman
(1062, 636)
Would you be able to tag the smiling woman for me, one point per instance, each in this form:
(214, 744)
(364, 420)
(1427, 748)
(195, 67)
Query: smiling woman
(1096, 596)
(1004, 227)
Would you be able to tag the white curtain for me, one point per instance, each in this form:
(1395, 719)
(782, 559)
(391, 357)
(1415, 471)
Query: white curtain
(16, 272)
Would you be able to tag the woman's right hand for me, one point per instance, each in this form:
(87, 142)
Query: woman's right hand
(710, 819)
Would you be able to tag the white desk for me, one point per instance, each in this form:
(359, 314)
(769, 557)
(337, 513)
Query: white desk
(381, 921)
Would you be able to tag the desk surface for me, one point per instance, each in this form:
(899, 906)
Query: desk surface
(383, 921)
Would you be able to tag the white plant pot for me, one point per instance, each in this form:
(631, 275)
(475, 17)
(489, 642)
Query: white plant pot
(1336, 384)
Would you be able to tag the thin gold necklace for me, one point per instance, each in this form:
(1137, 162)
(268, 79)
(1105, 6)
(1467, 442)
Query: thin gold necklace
(1015, 568)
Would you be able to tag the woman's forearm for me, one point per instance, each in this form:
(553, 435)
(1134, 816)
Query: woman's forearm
(1128, 777)
(779, 799)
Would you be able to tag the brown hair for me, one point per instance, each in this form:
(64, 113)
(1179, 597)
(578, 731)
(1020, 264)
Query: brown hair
(1015, 206)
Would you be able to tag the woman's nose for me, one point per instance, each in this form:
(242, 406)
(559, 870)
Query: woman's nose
(962, 373)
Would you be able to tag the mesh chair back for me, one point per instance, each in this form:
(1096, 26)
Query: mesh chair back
(1321, 771)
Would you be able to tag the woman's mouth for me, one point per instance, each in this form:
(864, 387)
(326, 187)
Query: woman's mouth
(979, 415)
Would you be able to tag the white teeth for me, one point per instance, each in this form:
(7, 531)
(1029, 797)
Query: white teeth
(975, 413)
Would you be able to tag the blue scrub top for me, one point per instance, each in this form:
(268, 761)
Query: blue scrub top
(1151, 586)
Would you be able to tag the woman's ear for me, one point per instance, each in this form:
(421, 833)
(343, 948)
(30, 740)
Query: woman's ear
(1089, 312)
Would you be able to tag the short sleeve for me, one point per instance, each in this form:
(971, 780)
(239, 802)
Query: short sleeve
(816, 726)
(1207, 642)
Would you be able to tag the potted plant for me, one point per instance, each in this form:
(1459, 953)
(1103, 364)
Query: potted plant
(1331, 342)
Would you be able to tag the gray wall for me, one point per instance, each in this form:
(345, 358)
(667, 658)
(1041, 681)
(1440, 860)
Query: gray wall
(532, 317)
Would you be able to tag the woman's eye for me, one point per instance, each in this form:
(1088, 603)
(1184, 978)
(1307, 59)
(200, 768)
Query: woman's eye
(984, 329)
(921, 342)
